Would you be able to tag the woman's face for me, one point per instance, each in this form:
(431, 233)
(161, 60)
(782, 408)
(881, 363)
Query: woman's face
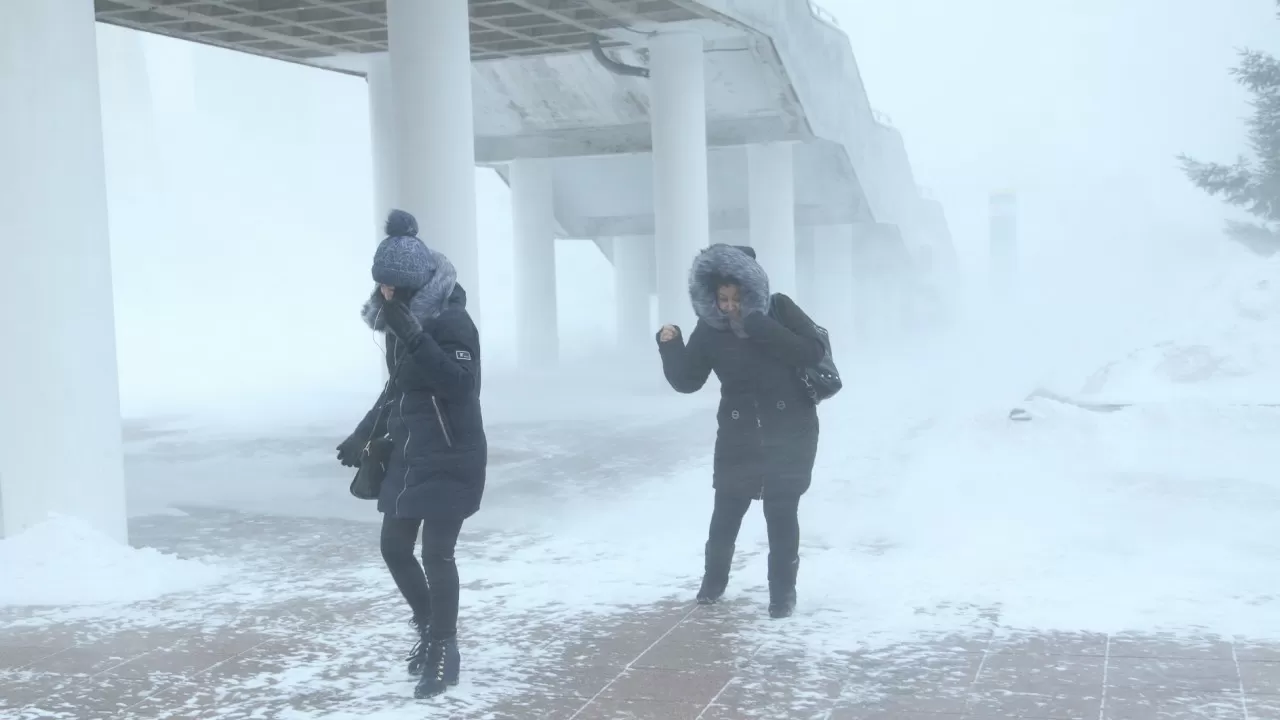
(729, 299)
(388, 291)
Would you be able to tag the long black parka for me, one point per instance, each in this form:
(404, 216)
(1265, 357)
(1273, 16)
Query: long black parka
(768, 426)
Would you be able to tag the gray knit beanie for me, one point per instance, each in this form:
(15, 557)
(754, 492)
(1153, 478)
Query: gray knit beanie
(402, 260)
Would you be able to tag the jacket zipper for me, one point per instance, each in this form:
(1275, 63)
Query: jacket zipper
(448, 439)
(755, 400)
(408, 437)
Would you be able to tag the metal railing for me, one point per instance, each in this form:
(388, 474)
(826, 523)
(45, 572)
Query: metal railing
(823, 14)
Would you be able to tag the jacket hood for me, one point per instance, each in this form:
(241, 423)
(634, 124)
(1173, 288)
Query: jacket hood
(720, 263)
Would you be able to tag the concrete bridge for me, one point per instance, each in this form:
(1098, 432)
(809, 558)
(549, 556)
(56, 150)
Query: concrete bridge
(653, 127)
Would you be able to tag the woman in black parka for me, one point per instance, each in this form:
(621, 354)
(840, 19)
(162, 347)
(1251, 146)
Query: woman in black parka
(768, 426)
(430, 408)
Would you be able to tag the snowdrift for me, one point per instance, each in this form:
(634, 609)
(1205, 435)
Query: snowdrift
(63, 561)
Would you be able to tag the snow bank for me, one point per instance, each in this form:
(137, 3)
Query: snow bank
(63, 561)
(1158, 518)
(1223, 344)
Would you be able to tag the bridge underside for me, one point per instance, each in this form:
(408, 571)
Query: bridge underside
(310, 31)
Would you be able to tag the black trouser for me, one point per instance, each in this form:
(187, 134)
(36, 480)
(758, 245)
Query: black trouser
(433, 594)
(781, 515)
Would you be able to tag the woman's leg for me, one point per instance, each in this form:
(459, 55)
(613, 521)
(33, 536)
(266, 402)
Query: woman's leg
(726, 521)
(439, 538)
(399, 536)
(782, 518)
(443, 663)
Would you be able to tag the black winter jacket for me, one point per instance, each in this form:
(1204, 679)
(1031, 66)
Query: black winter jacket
(768, 427)
(431, 409)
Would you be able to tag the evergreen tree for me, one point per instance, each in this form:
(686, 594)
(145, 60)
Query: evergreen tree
(1252, 184)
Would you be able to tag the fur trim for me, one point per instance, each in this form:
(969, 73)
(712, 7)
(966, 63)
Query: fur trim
(426, 304)
(727, 262)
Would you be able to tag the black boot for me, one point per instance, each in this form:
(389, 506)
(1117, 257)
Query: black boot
(715, 576)
(782, 585)
(441, 669)
(418, 655)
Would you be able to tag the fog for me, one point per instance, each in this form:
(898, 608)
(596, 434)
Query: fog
(242, 220)
(1092, 454)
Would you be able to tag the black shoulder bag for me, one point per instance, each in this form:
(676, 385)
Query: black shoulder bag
(821, 381)
(376, 454)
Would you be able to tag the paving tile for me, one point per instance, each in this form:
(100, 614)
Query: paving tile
(1257, 651)
(1263, 707)
(19, 688)
(1055, 643)
(543, 707)
(1172, 673)
(940, 674)
(693, 650)
(170, 663)
(1163, 645)
(668, 686)
(1052, 674)
(639, 710)
(17, 657)
(1172, 704)
(90, 698)
(1260, 678)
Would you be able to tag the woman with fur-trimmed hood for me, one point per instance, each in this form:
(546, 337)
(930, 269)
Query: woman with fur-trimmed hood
(768, 425)
(430, 409)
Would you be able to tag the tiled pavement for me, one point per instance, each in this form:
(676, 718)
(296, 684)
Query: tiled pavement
(328, 652)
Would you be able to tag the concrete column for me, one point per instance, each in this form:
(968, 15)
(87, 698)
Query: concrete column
(382, 126)
(533, 223)
(833, 281)
(806, 267)
(678, 112)
(60, 448)
(633, 268)
(771, 206)
(430, 48)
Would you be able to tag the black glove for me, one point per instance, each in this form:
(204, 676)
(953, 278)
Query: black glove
(349, 451)
(401, 322)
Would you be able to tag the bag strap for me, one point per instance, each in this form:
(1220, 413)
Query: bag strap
(383, 399)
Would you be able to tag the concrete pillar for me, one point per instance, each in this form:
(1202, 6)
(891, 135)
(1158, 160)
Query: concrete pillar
(60, 448)
(833, 281)
(771, 207)
(533, 224)
(633, 268)
(382, 127)
(430, 48)
(806, 267)
(678, 110)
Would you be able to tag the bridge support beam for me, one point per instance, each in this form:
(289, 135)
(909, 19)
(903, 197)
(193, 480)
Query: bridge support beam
(806, 269)
(678, 109)
(633, 269)
(382, 126)
(60, 446)
(833, 280)
(880, 283)
(771, 210)
(533, 223)
(430, 48)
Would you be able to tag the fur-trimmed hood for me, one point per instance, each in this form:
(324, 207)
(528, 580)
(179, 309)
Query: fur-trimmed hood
(720, 263)
(439, 292)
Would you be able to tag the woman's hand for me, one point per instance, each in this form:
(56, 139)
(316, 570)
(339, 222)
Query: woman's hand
(669, 333)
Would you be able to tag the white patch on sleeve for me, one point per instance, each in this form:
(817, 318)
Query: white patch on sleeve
(462, 354)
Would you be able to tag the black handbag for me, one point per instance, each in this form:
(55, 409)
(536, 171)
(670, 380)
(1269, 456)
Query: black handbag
(373, 468)
(821, 381)
(376, 454)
